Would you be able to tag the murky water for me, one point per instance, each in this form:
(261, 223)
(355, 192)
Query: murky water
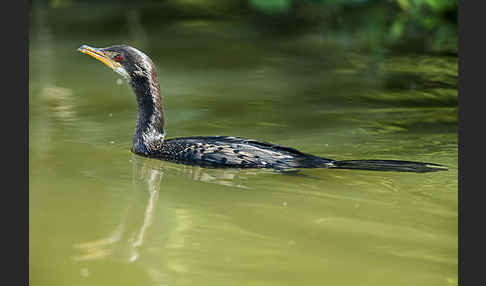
(100, 215)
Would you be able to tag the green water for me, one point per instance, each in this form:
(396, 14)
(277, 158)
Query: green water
(100, 215)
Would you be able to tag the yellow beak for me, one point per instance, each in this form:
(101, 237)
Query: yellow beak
(99, 55)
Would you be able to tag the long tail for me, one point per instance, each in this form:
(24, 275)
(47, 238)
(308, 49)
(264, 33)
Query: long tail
(388, 165)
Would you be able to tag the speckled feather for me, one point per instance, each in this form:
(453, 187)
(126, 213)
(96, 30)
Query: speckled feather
(224, 151)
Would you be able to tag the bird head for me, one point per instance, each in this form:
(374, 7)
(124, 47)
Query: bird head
(123, 59)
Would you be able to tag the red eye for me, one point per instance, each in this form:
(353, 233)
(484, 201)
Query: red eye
(118, 58)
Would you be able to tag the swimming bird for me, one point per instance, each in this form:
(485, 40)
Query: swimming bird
(213, 151)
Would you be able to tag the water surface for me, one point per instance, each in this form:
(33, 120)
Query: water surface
(100, 215)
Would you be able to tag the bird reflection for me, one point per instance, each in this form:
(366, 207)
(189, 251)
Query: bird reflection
(128, 237)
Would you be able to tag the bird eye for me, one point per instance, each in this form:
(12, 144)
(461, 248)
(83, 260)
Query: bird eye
(118, 58)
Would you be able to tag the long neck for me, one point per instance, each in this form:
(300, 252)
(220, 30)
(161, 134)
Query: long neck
(150, 120)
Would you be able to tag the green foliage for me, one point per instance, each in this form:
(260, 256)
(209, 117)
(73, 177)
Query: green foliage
(400, 21)
(427, 24)
(436, 18)
(271, 6)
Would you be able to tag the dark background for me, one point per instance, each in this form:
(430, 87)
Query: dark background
(422, 25)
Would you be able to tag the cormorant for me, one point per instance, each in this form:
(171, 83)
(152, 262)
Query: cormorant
(213, 151)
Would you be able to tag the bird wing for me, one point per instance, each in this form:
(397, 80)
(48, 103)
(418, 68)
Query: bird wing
(239, 152)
